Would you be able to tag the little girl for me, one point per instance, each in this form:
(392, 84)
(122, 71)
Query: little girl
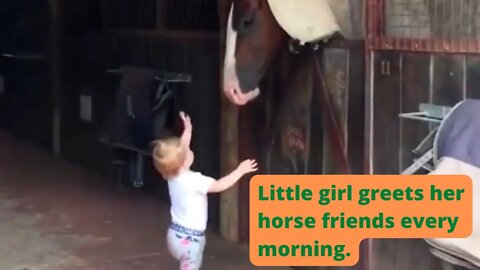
(188, 191)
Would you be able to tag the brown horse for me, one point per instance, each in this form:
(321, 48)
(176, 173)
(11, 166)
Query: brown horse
(253, 39)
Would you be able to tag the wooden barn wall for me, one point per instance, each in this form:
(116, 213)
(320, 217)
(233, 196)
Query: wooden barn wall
(295, 113)
(25, 94)
(89, 53)
(284, 129)
(229, 142)
(411, 79)
(400, 82)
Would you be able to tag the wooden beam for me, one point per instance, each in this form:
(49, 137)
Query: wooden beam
(229, 207)
(105, 7)
(56, 38)
(196, 35)
(251, 134)
(161, 14)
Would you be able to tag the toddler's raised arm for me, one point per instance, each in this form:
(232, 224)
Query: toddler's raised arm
(187, 130)
(229, 180)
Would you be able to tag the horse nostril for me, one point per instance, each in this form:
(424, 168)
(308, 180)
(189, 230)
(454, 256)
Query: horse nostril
(233, 93)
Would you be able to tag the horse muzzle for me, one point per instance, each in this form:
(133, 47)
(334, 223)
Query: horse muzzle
(238, 98)
(233, 91)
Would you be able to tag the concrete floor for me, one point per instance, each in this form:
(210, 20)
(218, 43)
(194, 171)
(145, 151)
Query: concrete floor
(55, 216)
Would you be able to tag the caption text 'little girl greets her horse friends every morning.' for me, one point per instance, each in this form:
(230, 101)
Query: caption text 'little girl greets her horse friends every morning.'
(365, 196)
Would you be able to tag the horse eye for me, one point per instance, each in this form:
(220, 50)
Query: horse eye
(247, 22)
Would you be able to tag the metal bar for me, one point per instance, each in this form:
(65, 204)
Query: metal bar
(435, 111)
(419, 116)
(428, 167)
(428, 112)
(419, 163)
(163, 76)
(427, 140)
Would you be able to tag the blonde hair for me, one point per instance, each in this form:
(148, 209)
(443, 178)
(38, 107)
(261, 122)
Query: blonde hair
(168, 156)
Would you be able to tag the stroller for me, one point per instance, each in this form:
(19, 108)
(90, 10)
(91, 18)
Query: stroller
(456, 150)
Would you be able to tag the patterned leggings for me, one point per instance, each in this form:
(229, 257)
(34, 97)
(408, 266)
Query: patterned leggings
(186, 246)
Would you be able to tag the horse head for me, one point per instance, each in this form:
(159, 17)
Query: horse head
(253, 38)
(256, 31)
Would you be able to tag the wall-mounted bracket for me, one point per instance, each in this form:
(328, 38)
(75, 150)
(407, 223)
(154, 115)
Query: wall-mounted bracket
(429, 113)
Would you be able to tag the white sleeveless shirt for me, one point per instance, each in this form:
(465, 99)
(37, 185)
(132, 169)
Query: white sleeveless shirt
(189, 199)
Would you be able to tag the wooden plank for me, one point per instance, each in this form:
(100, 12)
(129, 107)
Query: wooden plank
(247, 149)
(415, 90)
(357, 18)
(344, 73)
(315, 131)
(56, 32)
(161, 14)
(369, 110)
(173, 34)
(274, 89)
(368, 141)
(279, 96)
(295, 113)
(106, 13)
(448, 79)
(346, 44)
(473, 76)
(315, 144)
(229, 200)
(205, 105)
(356, 109)
(229, 213)
(335, 68)
(386, 108)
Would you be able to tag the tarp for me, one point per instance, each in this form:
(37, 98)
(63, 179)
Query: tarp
(317, 20)
(305, 20)
(457, 151)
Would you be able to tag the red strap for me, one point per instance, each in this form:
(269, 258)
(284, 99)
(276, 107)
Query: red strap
(333, 128)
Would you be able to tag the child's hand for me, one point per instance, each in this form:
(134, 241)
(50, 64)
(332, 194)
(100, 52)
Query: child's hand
(187, 123)
(187, 130)
(248, 166)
